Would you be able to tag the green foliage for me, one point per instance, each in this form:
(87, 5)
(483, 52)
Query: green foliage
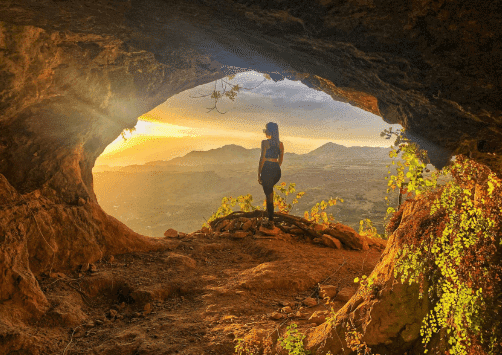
(455, 256)
(293, 341)
(410, 168)
(281, 204)
(367, 285)
(223, 88)
(318, 214)
(227, 205)
(367, 229)
(246, 348)
(280, 198)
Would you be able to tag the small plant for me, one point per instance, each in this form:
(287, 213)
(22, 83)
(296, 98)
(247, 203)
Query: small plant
(367, 285)
(354, 340)
(246, 348)
(293, 341)
(245, 203)
(367, 229)
(280, 198)
(318, 215)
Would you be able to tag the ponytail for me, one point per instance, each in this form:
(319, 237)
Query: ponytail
(273, 129)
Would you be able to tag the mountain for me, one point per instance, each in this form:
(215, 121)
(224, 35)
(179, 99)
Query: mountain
(332, 151)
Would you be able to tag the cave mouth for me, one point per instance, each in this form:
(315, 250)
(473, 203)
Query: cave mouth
(185, 155)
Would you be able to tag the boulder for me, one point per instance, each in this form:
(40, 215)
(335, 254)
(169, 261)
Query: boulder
(240, 235)
(328, 291)
(330, 241)
(348, 236)
(171, 233)
(272, 232)
(309, 302)
(247, 225)
(345, 294)
(319, 317)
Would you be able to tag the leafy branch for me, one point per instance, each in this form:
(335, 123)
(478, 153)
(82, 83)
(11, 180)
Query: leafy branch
(227, 90)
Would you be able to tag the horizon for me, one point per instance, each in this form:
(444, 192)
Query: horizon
(307, 119)
(240, 146)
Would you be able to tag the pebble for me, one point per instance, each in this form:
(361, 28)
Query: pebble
(309, 302)
(277, 316)
(287, 309)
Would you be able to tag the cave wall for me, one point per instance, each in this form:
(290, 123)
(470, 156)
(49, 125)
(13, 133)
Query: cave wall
(74, 74)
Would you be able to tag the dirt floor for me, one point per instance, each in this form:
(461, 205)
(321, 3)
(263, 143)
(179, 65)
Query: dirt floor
(199, 296)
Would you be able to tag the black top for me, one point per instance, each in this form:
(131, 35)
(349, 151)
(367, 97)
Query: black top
(273, 151)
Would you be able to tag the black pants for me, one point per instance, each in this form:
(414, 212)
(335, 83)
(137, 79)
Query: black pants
(270, 175)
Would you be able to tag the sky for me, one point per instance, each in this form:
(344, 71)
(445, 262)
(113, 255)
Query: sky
(307, 119)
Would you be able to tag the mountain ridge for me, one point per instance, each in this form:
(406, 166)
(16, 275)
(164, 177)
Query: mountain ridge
(235, 154)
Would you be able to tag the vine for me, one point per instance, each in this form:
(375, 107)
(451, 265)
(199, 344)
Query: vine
(457, 257)
(410, 169)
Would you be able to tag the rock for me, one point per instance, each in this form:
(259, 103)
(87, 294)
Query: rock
(277, 316)
(296, 230)
(204, 230)
(171, 233)
(240, 235)
(147, 308)
(298, 314)
(182, 235)
(93, 268)
(285, 303)
(319, 227)
(180, 261)
(98, 321)
(247, 225)
(317, 241)
(217, 234)
(81, 201)
(222, 225)
(309, 302)
(348, 236)
(331, 242)
(272, 232)
(57, 275)
(243, 219)
(345, 294)
(84, 267)
(231, 225)
(318, 317)
(111, 259)
(376, 243)
(286, 309)
(328, 291)
(225, 235)
(112, 313)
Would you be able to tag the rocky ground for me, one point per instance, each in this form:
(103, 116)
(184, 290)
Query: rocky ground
(200, 295)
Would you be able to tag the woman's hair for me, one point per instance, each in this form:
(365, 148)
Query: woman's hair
(273, 131)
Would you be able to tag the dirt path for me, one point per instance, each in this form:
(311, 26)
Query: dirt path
(198, 297)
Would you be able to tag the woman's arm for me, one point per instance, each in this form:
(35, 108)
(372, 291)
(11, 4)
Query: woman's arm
(281, 156)
(262, 159)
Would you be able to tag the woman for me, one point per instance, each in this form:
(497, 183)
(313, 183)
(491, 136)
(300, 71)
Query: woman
(269, 169)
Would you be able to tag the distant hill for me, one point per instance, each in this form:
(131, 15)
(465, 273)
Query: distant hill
(237, 155)
(332, 151)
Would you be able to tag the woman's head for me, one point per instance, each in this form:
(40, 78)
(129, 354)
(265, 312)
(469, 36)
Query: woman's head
(272, 130)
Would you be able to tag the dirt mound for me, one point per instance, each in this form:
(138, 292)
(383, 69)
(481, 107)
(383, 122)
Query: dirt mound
(206, 290)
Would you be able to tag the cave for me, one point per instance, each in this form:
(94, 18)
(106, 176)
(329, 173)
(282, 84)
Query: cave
(74, 75)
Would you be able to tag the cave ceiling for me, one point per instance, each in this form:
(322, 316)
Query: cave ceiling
(432, 66)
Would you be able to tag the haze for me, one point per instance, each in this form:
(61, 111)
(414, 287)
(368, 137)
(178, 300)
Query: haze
(307, 119)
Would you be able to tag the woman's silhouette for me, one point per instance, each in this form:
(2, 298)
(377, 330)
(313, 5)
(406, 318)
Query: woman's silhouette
(269, 169)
